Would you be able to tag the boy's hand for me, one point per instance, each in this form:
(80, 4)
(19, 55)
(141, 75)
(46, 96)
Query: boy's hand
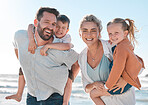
(43, 51)
(120, 84)
(32, 47)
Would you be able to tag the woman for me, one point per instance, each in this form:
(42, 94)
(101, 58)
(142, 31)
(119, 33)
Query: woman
(94, 63)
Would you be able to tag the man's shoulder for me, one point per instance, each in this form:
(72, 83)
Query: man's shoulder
(20, 34)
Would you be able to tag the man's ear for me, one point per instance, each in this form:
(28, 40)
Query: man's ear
(67, 30)
(35, 22)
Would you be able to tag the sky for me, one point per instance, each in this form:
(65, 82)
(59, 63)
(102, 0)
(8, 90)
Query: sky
(17, 14)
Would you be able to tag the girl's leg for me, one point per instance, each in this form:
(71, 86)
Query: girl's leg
(95, 96)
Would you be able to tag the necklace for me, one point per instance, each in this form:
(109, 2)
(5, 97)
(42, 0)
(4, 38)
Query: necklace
(93, 58)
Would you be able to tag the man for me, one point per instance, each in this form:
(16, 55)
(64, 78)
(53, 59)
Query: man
(46, 76)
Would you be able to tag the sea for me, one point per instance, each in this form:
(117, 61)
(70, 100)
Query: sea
(9, 85)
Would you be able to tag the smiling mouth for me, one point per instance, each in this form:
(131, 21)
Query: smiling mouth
(48, 32)
(89, 39)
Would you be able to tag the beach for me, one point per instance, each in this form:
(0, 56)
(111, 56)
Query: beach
(8, 86)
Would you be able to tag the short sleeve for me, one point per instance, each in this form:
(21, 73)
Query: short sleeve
(71, 58)
(66, 39)
(19, 38)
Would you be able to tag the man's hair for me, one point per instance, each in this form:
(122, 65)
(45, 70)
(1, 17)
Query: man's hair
(63, 19)
(40, 12)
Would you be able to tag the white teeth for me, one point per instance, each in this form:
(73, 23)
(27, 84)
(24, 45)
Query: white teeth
(48, 32)
(89, 39)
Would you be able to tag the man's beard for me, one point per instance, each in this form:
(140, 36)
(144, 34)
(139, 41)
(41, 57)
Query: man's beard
(41, 32)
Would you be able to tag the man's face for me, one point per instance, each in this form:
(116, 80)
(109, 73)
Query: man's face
(46, 26)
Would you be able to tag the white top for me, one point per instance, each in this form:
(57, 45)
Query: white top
(44, 75)
(65, 39)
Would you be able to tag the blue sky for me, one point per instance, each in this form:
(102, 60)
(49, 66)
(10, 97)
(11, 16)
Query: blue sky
(17, 14)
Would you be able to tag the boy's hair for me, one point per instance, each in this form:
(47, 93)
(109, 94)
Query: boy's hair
(40, 12)
(63, 19)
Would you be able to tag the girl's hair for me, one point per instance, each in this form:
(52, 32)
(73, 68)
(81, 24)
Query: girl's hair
(91, 18)
(125, 26)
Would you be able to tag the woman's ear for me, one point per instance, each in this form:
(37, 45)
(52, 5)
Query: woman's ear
(35, 22)
(99, 36)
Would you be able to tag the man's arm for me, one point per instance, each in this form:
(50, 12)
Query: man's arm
(75, 69)
(72, 75)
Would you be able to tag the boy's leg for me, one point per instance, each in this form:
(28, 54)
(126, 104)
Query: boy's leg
(21, 85)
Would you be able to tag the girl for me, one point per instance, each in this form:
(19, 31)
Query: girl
(125, 62)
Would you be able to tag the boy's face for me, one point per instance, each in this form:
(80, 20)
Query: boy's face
(61, 29)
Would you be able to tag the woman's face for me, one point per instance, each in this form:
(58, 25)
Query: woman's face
(89, 33)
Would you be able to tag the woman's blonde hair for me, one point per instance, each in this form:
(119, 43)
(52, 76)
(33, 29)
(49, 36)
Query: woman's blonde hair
(131, 28)
(91, 18)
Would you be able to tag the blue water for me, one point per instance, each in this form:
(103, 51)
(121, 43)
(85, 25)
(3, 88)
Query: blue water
(9, 83)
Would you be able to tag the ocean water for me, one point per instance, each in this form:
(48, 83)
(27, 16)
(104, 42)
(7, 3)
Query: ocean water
(9, 83)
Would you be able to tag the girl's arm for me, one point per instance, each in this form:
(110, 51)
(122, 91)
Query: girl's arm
(57, 46)
(32, 44)
(120, 84)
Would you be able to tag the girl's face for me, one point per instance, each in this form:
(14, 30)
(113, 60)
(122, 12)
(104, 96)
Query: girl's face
(89, 33)
(116, 33)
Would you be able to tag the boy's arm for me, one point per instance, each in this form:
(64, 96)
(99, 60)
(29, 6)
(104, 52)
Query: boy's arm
(59, 46)
(32, 44)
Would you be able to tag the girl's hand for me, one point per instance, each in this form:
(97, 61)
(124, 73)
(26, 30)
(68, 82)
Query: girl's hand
(120, 84)
(31, 47)
(43, 51)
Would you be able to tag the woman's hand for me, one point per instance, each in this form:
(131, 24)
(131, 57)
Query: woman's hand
(120, 84)
(99, 85)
